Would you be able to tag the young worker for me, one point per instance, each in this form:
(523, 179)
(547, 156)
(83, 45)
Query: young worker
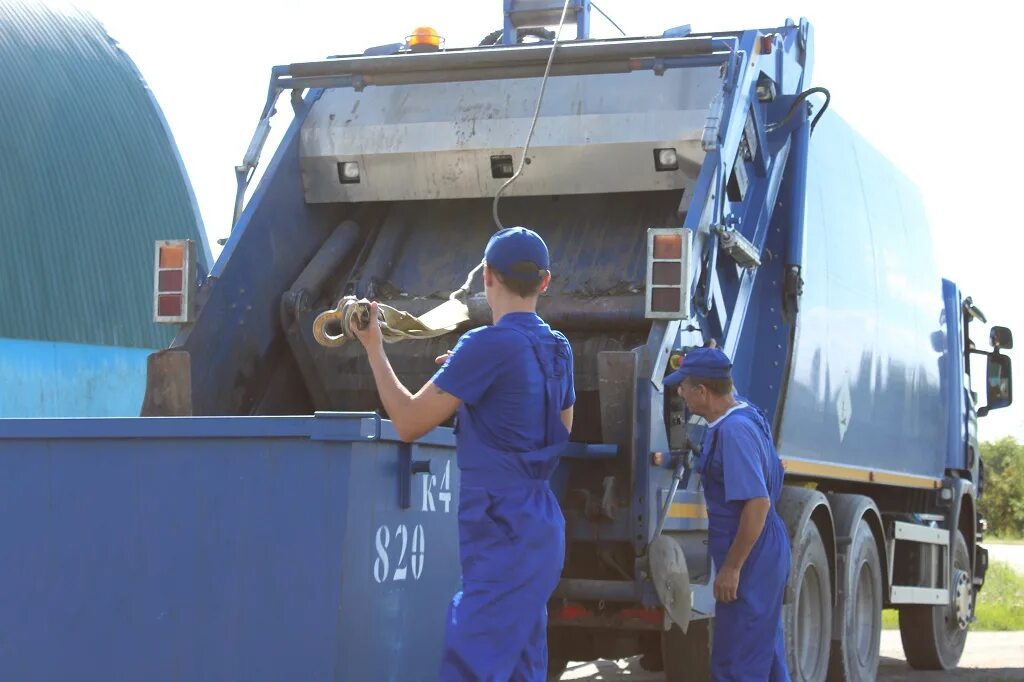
(512, 386)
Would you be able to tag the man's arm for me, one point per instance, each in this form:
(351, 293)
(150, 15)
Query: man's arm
(752, 518)
(412, 415)
(567, 419)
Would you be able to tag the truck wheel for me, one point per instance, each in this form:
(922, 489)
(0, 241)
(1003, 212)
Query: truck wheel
(687, 658)
(855, 655)
(808, 618)
(934, 636)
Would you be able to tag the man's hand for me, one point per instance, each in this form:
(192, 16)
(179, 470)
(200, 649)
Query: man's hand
(441, 359)
(727, 584)
(371, 337)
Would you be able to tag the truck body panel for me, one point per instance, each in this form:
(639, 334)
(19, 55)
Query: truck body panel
(866, 385)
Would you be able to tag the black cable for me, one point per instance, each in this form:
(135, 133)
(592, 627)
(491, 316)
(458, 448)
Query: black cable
(799, 99)
(828, 98)
(541, 34)
(610, 20)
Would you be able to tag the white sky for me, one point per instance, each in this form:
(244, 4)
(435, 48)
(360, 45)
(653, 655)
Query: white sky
(929, 84)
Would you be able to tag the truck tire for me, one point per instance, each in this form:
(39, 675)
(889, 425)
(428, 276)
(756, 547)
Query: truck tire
(808, 617)
(932, 636)
(855, 654)
(687, 658)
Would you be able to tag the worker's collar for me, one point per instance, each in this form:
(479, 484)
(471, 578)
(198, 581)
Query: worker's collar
(727, 413)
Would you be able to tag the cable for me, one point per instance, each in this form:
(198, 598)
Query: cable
(828, 98)
(536, 115)
(610, 20)
(800, 98)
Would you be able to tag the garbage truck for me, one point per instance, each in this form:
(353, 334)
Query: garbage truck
(262, 519)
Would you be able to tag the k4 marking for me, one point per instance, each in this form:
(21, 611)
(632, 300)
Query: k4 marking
(441, 489)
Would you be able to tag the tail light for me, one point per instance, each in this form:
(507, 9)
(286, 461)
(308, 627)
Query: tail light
(174, 281)
(668, 273)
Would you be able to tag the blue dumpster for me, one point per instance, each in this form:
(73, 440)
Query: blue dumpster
(224, 548)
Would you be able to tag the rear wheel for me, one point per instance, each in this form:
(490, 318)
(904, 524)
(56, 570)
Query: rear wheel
(855, 654)
(808, 618)
(687, 658)
(934, 636)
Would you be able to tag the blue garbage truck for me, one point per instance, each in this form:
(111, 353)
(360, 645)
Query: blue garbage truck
(263, 520)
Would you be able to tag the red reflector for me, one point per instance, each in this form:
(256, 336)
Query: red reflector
(169, 306)
(667, 273)
(572, 612)
(653, 616)
(171, 281)
(767, 42)
(666, 300)
(668, 246)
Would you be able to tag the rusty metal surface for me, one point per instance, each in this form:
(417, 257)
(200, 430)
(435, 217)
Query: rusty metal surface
(168, 384)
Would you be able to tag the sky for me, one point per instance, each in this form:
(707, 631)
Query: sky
(926, 83)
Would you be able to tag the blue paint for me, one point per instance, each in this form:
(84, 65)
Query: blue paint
(237, 339)
(220, 549)
(864, 347)
(950, 340)
(54, 379)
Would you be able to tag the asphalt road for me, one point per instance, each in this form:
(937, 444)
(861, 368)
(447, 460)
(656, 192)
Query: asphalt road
(988, 657)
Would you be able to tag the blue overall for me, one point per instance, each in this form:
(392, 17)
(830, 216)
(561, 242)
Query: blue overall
(511, 528)
(739, 463)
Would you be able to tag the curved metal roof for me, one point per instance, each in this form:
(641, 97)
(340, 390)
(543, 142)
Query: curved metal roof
(90, 177)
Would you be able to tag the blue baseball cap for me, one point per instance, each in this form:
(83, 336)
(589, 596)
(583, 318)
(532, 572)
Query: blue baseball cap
(515, 245)
(706, 363)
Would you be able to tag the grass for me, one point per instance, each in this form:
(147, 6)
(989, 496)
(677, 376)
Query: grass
(992, 540)
(1000, 604)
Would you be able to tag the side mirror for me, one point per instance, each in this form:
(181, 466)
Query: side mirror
(999, 383)
(1001, 337)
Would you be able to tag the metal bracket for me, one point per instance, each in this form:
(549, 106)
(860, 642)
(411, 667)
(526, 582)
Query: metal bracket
(407, 468)
(741, 249)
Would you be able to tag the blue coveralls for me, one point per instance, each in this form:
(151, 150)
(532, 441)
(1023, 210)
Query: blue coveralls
(514, 379)
(738, 463)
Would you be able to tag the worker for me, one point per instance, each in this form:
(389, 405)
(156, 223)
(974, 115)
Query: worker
(742, 478)
(511, 385)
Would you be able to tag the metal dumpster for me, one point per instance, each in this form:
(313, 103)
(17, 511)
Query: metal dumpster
(237, 548)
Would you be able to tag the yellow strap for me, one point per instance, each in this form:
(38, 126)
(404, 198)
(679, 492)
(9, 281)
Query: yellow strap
(396, 325)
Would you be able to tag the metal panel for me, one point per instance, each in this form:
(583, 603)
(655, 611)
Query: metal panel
(259, 555)
(91, 178)
(911, 532)
(864, 387)
(918, 595)
(954, 381)
(47, 379)
(237, 342)
(436, 141)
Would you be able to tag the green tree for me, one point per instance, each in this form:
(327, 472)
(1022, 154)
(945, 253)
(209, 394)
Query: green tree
(1002, 503)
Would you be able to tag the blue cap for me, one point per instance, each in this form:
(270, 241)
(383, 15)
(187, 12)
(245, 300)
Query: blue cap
(706, 363)
(516, 245)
